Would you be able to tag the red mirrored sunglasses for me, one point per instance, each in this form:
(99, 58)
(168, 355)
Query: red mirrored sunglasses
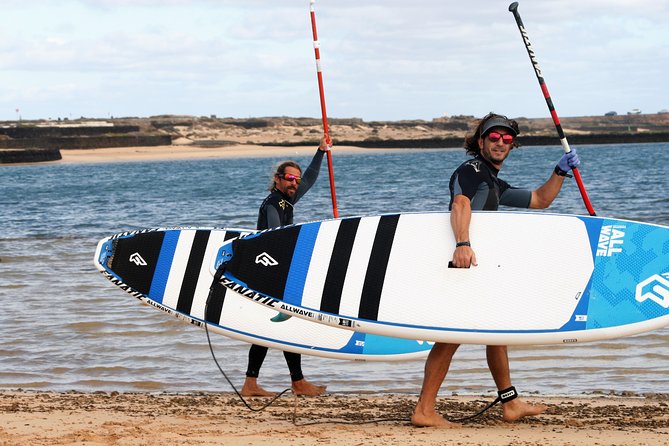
(494, 137)
(291, 177)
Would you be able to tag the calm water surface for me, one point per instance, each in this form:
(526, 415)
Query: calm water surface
(64, 327)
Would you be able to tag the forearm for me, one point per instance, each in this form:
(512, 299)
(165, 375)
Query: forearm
(545, 194)
(310, 175)
(461, 215)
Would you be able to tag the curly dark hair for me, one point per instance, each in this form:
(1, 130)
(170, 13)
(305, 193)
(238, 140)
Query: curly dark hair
(472, 141)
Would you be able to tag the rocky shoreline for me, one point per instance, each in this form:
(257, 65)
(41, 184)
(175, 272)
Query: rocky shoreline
(455, 142)
(34, 141)
(10, 156)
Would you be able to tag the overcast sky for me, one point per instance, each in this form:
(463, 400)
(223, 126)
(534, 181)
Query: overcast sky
(382, 59)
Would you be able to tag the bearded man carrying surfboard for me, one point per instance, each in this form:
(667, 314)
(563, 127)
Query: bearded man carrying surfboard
(475, 186)
(288, 185)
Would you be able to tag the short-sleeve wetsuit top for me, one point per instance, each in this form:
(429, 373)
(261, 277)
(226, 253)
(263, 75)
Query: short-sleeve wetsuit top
(477, 180)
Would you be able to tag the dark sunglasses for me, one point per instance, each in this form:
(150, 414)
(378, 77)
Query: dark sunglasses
(291, 177)
(494, 137)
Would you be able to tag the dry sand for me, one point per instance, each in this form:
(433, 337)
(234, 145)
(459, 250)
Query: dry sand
(177, 152)
(46, 418)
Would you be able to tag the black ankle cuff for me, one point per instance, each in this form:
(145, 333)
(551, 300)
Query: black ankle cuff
(507, 395)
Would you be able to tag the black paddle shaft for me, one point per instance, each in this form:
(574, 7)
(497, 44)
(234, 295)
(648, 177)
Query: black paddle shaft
(513, 7)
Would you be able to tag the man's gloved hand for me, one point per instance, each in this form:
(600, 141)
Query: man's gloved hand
(567, 162)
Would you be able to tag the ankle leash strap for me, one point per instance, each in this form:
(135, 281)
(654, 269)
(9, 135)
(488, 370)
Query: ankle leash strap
(507, 395)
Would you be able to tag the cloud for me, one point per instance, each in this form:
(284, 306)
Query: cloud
(381, 59)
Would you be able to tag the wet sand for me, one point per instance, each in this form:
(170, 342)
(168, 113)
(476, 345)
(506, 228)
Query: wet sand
(47, 418)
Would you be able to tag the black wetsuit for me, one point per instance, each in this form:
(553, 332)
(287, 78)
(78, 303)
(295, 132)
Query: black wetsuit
(477, 180)
(277, 210)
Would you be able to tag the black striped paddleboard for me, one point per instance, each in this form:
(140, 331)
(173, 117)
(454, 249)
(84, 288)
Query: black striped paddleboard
(541, 278)
(172, 269)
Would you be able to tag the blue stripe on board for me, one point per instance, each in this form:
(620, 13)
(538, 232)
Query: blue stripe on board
(299, 265)
(384, 345)
(356, 344)
(624, 269)
(593, 226)
(579, 318)
(164, 265)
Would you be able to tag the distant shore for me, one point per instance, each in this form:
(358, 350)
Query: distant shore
(176, 136)
(532, 140)
(182, 152)
(101, 418)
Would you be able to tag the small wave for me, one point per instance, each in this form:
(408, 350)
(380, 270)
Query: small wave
(123, 385)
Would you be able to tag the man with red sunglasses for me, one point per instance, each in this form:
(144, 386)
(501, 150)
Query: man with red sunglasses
(287, 186)
(475, 186)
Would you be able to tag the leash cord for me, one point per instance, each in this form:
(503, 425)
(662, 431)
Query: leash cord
(213, 355)
(254, 409)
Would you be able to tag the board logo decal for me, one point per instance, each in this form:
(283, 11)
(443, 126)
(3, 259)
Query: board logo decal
(222, 311)
(137, 259)
(654, 288)
(611, 239)
(266, 260)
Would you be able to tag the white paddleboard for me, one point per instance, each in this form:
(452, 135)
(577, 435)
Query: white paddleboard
(172, 270)
(541, 278)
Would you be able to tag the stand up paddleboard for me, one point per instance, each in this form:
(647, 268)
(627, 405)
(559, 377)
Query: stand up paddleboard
(172, 269)
(541, 278)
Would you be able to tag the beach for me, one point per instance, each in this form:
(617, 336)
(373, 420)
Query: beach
(191, 152)
(112, 418)
(126, 346)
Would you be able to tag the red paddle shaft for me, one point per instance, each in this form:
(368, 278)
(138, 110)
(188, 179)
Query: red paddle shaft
(513, 7)
(324, 114)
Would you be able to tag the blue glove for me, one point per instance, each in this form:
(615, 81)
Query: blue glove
(569, 161)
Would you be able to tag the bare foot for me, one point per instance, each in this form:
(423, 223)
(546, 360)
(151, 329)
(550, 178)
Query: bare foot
(304, 387)
(252, 388)
(518, 408)
(432, 419)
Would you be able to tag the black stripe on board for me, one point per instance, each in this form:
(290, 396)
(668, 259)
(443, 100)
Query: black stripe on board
(376, 270)
(195, 259)
(214, 305)
(263, 261)
(135, 259)
(341, 255)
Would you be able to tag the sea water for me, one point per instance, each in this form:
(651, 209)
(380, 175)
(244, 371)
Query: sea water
(64, 327)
